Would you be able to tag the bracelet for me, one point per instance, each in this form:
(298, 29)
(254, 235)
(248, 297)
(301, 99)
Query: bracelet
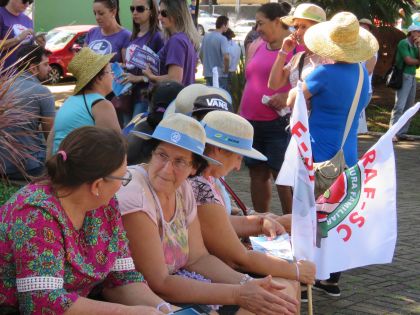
(158, 307)
(297, 272)
(245, 278)
(282, 52)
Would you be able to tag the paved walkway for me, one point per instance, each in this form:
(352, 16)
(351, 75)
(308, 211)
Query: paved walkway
(378, 289)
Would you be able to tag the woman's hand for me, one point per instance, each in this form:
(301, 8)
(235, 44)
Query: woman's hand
(129, 77)
(277, 101)
(271, 228)
(143, 310)
(148, 73)
(307, 271)
(289, 43)
(264, 297)
(25, 34)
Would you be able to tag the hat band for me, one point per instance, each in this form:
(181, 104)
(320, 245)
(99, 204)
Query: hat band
(178, 138)
(224, 138)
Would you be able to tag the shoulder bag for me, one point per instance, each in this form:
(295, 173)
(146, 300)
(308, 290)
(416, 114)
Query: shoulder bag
(327, 172)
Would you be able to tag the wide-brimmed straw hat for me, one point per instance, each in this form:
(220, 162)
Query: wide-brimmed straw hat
(182, 131)
(341, 39)
(306, 11)
(85, 65)
(231, 132)
(184, 102)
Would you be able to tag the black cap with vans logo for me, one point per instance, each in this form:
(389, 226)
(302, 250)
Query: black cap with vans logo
(211, 102)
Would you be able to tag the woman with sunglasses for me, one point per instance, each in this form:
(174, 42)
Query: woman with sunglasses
(15, 27)
(146, 32)
(160, 217)
(63, 241)
(109, 37)
(178, 58)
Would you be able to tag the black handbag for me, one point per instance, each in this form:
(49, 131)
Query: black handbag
(394, 78)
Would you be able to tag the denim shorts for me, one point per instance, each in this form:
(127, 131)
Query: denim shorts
(271, 138)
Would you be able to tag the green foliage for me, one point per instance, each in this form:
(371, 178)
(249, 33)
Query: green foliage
(6, 191)
(238, 83)
(386, 11)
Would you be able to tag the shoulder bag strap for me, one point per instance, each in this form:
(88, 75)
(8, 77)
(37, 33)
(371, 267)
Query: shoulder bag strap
(300, 65)
(352, 111)
(87, 107)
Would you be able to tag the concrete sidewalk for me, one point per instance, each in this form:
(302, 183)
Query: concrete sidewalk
(378, 289)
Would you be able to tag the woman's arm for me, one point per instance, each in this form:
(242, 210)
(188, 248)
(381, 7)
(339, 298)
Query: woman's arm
(279, 75)
(292, 95)
(245, 226)
(221, 240)
(105, 115)
(175, 73)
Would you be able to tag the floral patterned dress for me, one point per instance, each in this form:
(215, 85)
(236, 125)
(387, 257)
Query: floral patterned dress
(46, 264)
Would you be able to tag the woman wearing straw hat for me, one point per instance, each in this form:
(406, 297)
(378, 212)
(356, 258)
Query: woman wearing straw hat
(305, 15)
(160, 217)
(178, 57)
(270, 136)
(63, 239)
(87, 106)
(331, 90)
(229, 138)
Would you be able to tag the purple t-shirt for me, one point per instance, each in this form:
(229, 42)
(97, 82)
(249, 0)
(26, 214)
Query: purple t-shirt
(102, 44)
(154, 42)
(17, 24)
(180, 51)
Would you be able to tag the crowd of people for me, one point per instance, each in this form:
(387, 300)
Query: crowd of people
(125, 209)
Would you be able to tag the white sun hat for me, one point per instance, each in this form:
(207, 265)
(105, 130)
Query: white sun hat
(231, 132)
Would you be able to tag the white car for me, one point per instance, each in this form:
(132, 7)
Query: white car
(241, 28)
(206, 22)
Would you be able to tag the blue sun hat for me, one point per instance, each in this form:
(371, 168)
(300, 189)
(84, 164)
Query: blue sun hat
(181, 131)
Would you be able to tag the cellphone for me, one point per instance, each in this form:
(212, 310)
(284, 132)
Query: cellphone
(187, 311)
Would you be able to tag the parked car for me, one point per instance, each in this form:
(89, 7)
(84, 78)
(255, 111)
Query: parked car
(63, 42)
(206, 22)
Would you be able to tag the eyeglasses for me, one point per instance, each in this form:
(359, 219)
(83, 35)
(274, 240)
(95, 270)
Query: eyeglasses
(178, 164)
(27, 1)
(138, 8)
(124, 180)
(163, 13)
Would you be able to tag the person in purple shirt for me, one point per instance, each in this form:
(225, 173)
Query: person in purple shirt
(15, 27)
(178, 58)
(146, 32)
(109, 36)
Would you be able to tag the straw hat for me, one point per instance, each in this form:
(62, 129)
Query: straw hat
(231, 132)
(341, 39)
(306, 11)
(182, 131)
(85, 65)
(184, 102)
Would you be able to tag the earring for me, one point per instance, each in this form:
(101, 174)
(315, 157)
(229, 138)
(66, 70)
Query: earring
(97, 194)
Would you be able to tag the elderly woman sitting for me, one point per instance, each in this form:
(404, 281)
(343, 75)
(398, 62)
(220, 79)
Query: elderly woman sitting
(229, 138)
(160, 217)
(62, 236)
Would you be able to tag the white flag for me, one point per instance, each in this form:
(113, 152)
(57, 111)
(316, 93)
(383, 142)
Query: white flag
(297, 171)
(357, 220)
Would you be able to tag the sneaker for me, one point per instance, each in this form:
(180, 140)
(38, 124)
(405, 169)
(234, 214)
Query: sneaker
(330, 289)
(304, 296)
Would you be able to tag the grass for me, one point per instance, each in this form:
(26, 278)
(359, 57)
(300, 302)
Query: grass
(6, 191)
(378, 116)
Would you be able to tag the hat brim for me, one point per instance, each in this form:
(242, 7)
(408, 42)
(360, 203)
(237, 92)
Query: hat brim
(318, 41)
(99, 65)
(288, 19)
(254, 154)
(147, 136)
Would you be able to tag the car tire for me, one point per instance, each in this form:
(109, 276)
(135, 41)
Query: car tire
(200, 29)
(55, 74)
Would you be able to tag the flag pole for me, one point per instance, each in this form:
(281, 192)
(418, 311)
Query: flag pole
(310, 308)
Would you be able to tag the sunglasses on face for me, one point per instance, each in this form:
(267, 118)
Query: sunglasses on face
(27, 1)
(138, 8)
(163, 13)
